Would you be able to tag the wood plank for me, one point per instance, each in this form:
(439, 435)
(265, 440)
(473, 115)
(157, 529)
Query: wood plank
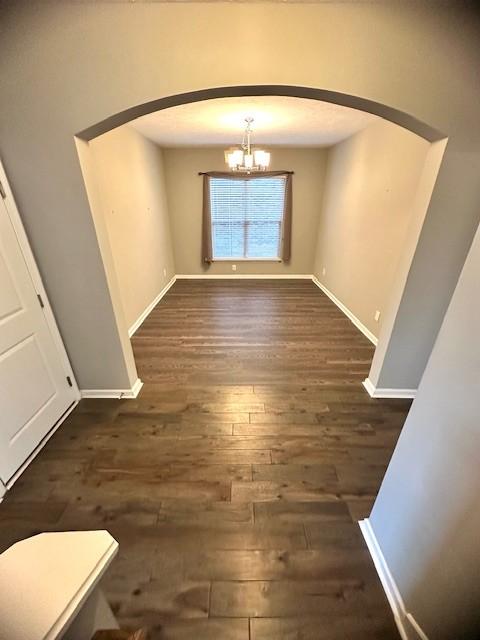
(150, 602)
(264, 490)
(343, 535)
(326, 627)
(282, 417)
(176, 472)
(195, 456)
(316, 474)
(313, 430)
(204, 514)
(287, 598)
(213, 629)
(305, 512)
(266, 564)
(231, 536)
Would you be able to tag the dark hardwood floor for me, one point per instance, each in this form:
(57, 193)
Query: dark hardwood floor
(234, 482)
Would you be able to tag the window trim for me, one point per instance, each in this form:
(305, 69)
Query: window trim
(241, 176)
(285, 246)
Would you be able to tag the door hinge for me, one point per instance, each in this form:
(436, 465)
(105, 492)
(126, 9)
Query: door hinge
(69, 380)
(2, 191)
(40, 300)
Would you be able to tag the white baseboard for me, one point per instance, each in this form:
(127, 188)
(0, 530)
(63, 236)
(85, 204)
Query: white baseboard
(408, 627)
(136, 325)
(114, 393)
(244, 276)
(375, 392)
(353, 318)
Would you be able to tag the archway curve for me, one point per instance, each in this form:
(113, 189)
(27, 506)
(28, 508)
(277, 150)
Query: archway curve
(436, 138)
(344, 99)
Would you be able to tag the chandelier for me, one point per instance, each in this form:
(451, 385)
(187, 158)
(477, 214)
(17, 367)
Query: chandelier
(245, 158)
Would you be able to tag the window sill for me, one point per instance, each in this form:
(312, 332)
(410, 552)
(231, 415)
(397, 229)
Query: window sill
(247, 260)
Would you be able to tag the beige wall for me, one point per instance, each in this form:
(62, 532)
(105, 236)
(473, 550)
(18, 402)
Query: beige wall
(370, 186)
(426, 517)
(405, 343)
(130, 181)
(116, 352)
(184, 188)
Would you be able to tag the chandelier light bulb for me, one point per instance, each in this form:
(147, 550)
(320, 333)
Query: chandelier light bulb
(245, 158)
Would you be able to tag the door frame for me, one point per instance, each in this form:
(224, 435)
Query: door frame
(32, 268)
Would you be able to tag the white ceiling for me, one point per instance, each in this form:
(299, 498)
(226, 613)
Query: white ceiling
(279, 120)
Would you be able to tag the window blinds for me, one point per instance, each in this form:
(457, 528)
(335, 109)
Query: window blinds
(247, 216)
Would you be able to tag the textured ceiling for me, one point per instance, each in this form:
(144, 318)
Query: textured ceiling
(279, 120)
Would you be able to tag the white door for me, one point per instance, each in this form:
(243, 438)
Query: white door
(36, 388)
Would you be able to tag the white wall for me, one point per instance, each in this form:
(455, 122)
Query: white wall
(184, 188)
(370, 187)
(130, 181)
(426, 517)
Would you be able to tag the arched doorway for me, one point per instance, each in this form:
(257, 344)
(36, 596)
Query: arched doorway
(375, 385)
(355, 102)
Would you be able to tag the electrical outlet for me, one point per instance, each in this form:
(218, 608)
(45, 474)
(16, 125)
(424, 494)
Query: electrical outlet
(234, 267)
(377, 315)
(324, 271)
(164, 273)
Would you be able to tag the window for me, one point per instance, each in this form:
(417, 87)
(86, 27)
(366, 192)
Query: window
(247, 217)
